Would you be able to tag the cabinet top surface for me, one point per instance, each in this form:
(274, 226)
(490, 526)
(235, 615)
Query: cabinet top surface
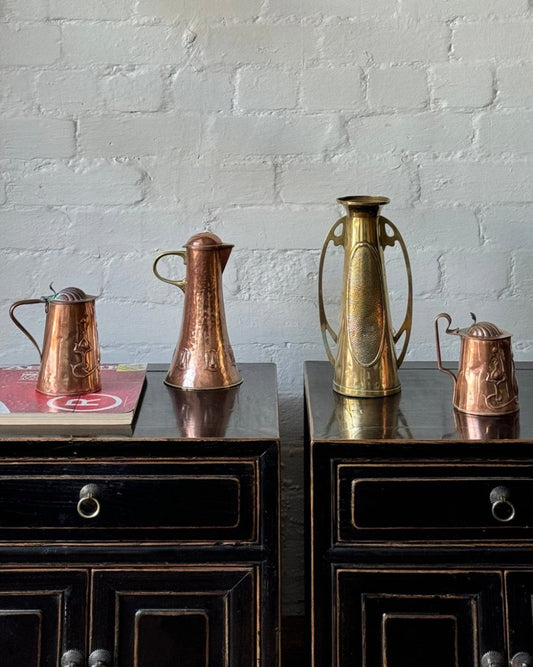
(422, 411)
(248, 411)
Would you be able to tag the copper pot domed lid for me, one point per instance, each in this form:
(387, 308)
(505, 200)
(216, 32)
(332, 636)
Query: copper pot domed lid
(68, 295)
(482, 331)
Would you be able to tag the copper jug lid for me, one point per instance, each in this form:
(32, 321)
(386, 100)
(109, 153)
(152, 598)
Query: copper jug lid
(206, 241)
(482, 331)
(68, 295)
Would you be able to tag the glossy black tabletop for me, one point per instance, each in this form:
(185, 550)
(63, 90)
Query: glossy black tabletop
(422, 411)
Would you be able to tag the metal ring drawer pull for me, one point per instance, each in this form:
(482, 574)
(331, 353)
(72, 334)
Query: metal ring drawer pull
(88, 505)
(521, 660)
(100, 658)
(492, 659)
(503, 509)
(72, 658)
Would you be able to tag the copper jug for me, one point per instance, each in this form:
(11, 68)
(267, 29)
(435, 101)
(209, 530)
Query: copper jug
(486, 382)
(203, 358)
(365, 362)
(70, 355)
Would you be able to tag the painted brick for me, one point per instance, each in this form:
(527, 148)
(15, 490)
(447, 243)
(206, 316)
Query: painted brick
(30, 10)
(524, 274)
(494, 40)
(226, 185)
(89, 185)
(423, 132)
(462, 86)
(453, 9)
(29, 44)
(133, 90)
(437, 228)
(327, 89)
(258, 43)
(139, 135)
(319, 183)
(362, 9)
(68, 92)
(514, 85)
(204, 90)
(17, 91)
(508, 227)
(92, 10)
(272, 135)
(506, 132)
(266, 89)
(116, 44)
(397, 88)
(385, 42)
(34, 229)
(489, 273)
(28, 138)
(472, 181)
(177, 10)
(275, 227)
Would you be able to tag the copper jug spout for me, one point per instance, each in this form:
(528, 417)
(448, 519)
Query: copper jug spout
(203, 357)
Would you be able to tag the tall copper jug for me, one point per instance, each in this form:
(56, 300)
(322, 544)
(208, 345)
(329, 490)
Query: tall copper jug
(70, 356)
(365, 362)
(203, 358)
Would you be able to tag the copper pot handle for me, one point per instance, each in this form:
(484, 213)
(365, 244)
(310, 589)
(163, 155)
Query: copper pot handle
(25, 302)
(338, 239)
(178, 283)
(391, 239)
(437, 343)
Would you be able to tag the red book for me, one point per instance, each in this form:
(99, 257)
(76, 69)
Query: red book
(111, 408)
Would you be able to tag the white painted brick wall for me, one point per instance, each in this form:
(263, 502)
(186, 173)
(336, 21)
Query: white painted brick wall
(127, 126)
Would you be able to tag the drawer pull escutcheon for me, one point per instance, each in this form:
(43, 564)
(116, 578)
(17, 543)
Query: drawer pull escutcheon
(72, 658)
(502, 508)
(521, 660)
(100, 658)
(88, 505)
(492, 659)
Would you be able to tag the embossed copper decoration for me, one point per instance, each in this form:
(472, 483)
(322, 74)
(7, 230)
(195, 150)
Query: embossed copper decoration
(365, 361)
(203, 358)
(486, 382)
(70, 355)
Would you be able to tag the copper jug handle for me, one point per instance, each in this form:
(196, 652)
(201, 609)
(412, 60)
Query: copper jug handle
(437, 342)
(25, 302)
(390, 240)
(338, 239)
(179, 283)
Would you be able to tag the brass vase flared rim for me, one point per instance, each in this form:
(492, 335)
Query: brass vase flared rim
(363, 200)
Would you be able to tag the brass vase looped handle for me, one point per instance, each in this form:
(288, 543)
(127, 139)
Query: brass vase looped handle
(437, 343)
(492, 659)
(26, 302)
(390, 240)
(178, 283)
(100, 658)
(502, 508)
(72, 658)
(337, 239)
(88, 506)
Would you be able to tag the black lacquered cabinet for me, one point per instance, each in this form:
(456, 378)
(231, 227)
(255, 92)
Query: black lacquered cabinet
(419, 527)
(173, 556)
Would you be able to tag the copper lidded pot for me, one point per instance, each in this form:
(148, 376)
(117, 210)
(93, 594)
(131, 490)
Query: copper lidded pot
(203, 357)
(486, 382)
(70, 355)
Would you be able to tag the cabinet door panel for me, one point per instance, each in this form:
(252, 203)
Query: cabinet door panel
(42, 615)
(519, 587)
(413, 619)
(198, 617)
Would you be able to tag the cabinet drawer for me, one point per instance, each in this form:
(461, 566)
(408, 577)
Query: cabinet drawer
(187, 501)
(445, 502)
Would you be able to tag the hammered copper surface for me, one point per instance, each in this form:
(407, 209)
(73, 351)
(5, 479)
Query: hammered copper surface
(203, 357)
(70, 355)
(365, 360)
(485, 383)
